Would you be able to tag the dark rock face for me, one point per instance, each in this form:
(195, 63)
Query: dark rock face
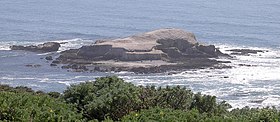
(176, 48)
(46, 47)
(183, 49)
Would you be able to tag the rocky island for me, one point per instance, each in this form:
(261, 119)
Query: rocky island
(152, 52)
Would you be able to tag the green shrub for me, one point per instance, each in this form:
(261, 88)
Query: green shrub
(179, 98)
(171, 115)
(168, 97)
(112, 97)
(106, 97)
(208, 104)
(54, 94)
(27, 107)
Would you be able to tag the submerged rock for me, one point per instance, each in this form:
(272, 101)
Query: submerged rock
(245, 51)
(45, 47)
(156, 51)
(49, 58)
(53, 65)
(33, 65)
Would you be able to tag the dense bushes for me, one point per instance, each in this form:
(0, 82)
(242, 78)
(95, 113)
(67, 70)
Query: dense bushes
(169, 97)
(171, 115)
(27, 107)
(237, 115)
(111, 99)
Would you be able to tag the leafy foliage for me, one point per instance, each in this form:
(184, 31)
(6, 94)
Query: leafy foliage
(54, 94)
(169, 97)
(28, 107)
(237, 115)
(171, 115)
(106, 97)
(208, 104)
(112, 97)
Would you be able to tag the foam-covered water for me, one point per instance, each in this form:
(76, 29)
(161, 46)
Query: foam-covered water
(227, 24)
(255, 86)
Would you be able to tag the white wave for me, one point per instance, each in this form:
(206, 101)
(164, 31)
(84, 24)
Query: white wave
(264, 66)
(68, 83)
(17, 78)
(271, 101)
(264, 101)
(6, 45)
(73, 43)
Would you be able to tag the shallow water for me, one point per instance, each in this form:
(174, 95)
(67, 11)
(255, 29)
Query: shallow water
(227, 24)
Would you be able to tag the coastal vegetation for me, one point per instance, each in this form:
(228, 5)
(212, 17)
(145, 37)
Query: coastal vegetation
(112, 99)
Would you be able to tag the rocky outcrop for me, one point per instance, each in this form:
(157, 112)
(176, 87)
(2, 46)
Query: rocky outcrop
(174, 48)
(46, 47)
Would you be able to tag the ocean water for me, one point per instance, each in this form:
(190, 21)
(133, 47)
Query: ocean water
(228, 24)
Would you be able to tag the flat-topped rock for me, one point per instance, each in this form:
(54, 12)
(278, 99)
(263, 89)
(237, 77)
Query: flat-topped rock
(147, 41)
(174, 48)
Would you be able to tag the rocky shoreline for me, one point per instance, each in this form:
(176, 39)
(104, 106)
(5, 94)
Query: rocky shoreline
(152, 52)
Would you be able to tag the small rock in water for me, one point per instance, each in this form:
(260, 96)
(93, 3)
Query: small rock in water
(245, 52)
(56, 62)
(49, 58)
(172, 73)
(33, 65)
(248, 65)
(52, 64)
(45, 47)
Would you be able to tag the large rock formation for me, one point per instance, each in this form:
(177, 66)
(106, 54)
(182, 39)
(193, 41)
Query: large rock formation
(174, 48)
(46, 47)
